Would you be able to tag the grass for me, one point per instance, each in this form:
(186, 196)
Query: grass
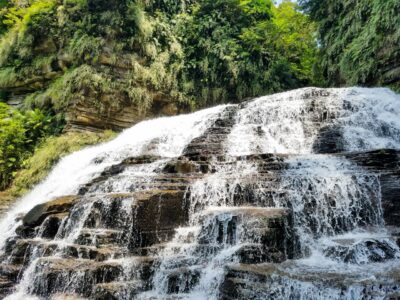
(49, 152)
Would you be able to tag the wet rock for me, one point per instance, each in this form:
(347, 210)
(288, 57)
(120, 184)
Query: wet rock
(268, 281)
(390, 189)
(39, 213)
(100, 183)
(9, 271)
(139, 160)
(93, 236)
(157, 215)
(385, 162)
(148, 219)
(182, 166)
(5, 286)
(10, 244)
(363, 252)
(55, 275)
(182, 280)
(26, 232)
(69, 296)
(20, 251)
(104, 209)
(51, 224)
(117, 290)
(210, 143)
(264, 232)
(329, 140)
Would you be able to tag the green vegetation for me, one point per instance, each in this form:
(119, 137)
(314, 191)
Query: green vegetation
(72, 50)
(57, 54)
(250, 49)
(135, 51)
(360, 41)
(20, 132)
(48, 153)
(109, 54)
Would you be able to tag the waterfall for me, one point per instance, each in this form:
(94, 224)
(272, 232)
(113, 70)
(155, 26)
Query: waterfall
(165, 137)
(280, 197)
(317, 184)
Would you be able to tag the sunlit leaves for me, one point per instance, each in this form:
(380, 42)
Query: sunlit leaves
(19, 133)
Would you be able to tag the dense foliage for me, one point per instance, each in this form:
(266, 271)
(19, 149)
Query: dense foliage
(200, 51)
(360, 41)
(70, 47)
(236, 49)
(55, 54)
(19, 134)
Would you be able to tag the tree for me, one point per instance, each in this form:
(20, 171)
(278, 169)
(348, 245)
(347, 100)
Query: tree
(243, 48)
(360, 41)
(296, 40)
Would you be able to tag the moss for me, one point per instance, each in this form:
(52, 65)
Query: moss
(8, 77)
(18, 38)
(47, 154)
(84, 47)
(81, 44)
(74, 86)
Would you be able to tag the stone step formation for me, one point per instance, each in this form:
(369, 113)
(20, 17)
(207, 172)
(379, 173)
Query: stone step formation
(210, 225)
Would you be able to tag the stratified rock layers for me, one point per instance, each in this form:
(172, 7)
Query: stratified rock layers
(117, 237)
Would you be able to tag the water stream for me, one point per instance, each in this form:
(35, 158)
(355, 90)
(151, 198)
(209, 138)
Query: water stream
(277, 200)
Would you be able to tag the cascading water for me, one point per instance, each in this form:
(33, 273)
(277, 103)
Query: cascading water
(316, 184)
(276, 198)
(162, 137)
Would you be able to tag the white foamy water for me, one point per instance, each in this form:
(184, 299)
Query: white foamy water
(329, 195)
(333, 201)
(290, 122)
(334, 241)
(165, 137)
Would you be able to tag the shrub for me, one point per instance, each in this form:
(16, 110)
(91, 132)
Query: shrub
(20, 132)
(48, 153)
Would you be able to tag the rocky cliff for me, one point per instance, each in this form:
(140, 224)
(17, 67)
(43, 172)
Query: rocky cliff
(109, 64)
(226, 203)
(105, 65)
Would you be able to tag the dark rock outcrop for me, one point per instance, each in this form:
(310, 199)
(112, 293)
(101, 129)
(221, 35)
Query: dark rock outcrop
(39, 213)
(269, 281)
(385, 162)
(82, 116)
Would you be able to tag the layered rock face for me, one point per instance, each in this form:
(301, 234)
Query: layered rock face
(94, 63)
(95, 111)
(81, 116)
(292, 196)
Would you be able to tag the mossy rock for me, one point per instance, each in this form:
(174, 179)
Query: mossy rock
(37, 214)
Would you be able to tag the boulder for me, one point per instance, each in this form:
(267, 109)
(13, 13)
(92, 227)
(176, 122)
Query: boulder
(41, 211)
